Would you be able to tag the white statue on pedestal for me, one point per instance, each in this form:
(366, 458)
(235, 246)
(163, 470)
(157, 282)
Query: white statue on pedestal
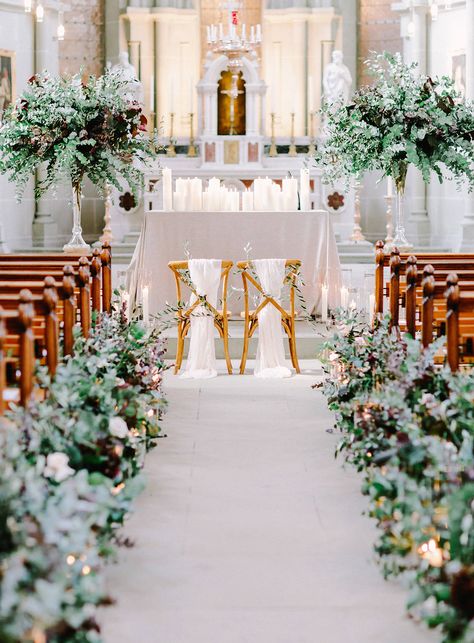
(127, 72)
(337, 80)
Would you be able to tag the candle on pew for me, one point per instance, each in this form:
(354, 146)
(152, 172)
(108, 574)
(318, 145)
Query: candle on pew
(125, 303)
(372, 307)
(344, 297)
(145, 306)
(389, 186)
(167, 189)
(324, 302)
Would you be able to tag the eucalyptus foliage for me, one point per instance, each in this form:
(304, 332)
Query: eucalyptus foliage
(75, 128)
(408, 426)
(70, 468)
(404, 118)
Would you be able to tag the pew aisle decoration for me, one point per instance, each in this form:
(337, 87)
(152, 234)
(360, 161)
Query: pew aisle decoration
(68, 128)
(70, 468)
(403, 119)
(409, 428)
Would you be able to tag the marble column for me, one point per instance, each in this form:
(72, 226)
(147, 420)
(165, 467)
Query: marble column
(44, 228)
(415, 50)
(467, 243)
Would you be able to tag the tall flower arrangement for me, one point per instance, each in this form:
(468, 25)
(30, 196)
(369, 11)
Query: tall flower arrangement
(73, 128)
(404, 118)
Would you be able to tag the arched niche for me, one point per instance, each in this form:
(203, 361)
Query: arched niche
(230, 114)
(207, 89)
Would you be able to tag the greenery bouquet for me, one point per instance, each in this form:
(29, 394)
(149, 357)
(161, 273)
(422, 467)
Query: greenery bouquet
(71, 128)
(404, 118)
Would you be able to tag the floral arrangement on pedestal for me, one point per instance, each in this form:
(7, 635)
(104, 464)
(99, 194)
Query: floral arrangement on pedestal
(70, 469)
(403, 118)
(408, 427)
(68, 128)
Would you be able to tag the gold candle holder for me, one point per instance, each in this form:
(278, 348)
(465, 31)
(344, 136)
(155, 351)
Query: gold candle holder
(170, 150)
(312, 145)
(273, 148)
(292, 150)
(192, 148)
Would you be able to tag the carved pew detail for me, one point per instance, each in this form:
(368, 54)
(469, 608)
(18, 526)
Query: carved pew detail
(427, 305)
(106, 258)
(83, 281)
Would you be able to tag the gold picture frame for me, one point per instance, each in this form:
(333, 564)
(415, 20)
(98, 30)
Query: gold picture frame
(7, 79)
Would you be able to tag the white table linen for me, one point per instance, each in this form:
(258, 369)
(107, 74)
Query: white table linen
(270, 362)
(165, 236)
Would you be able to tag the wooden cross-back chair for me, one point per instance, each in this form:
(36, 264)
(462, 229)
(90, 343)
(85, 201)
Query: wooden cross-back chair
(221, 315)
(287, 316)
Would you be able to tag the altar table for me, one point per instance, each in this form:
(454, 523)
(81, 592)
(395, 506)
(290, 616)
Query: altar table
(166, 236)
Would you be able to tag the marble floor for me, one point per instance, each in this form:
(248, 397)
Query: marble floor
(249, 530)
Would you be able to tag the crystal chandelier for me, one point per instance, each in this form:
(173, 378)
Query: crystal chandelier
(233, 43)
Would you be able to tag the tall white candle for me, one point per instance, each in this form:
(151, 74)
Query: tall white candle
(167, 189)
(244, 32)
(389, 186)
(324, 302)
(247, 201)
(258, 33)
(304, 189)
(145, 306)
(196, 194)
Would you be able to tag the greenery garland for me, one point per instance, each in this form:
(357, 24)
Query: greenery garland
(70, 468)
(408, 426)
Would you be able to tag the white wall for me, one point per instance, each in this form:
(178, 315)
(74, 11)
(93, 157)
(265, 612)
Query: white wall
(16, 29)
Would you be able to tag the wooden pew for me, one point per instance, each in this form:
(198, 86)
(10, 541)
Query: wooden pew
(459, 320)
(462, 263)
(18, 323)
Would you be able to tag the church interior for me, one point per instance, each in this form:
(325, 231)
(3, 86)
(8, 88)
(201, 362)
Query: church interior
(236, 321)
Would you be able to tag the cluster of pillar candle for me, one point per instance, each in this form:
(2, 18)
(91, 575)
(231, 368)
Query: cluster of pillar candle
(267, 195)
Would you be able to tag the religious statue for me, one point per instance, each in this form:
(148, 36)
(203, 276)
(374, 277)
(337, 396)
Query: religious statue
(337, 80)
(127, 72)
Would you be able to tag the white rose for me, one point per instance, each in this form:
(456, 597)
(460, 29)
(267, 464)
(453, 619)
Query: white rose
(118, 427)
(57, 467)
(333, 356)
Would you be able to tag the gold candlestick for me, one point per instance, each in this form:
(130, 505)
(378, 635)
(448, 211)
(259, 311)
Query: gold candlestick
(191, 149)
(357, 235)
(273, 148)
(292, 150)
(170, 150)
(312, 146)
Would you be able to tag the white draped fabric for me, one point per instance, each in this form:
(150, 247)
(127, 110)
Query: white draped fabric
(205, 275)
(270, 362)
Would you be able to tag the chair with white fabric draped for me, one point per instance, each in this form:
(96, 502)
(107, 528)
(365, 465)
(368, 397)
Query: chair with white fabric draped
(202, 277)
(268, 277)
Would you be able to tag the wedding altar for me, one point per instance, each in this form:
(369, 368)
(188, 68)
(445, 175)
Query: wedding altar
(171, 236)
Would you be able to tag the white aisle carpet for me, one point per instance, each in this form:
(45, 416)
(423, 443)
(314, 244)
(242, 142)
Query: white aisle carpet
(249, 531)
